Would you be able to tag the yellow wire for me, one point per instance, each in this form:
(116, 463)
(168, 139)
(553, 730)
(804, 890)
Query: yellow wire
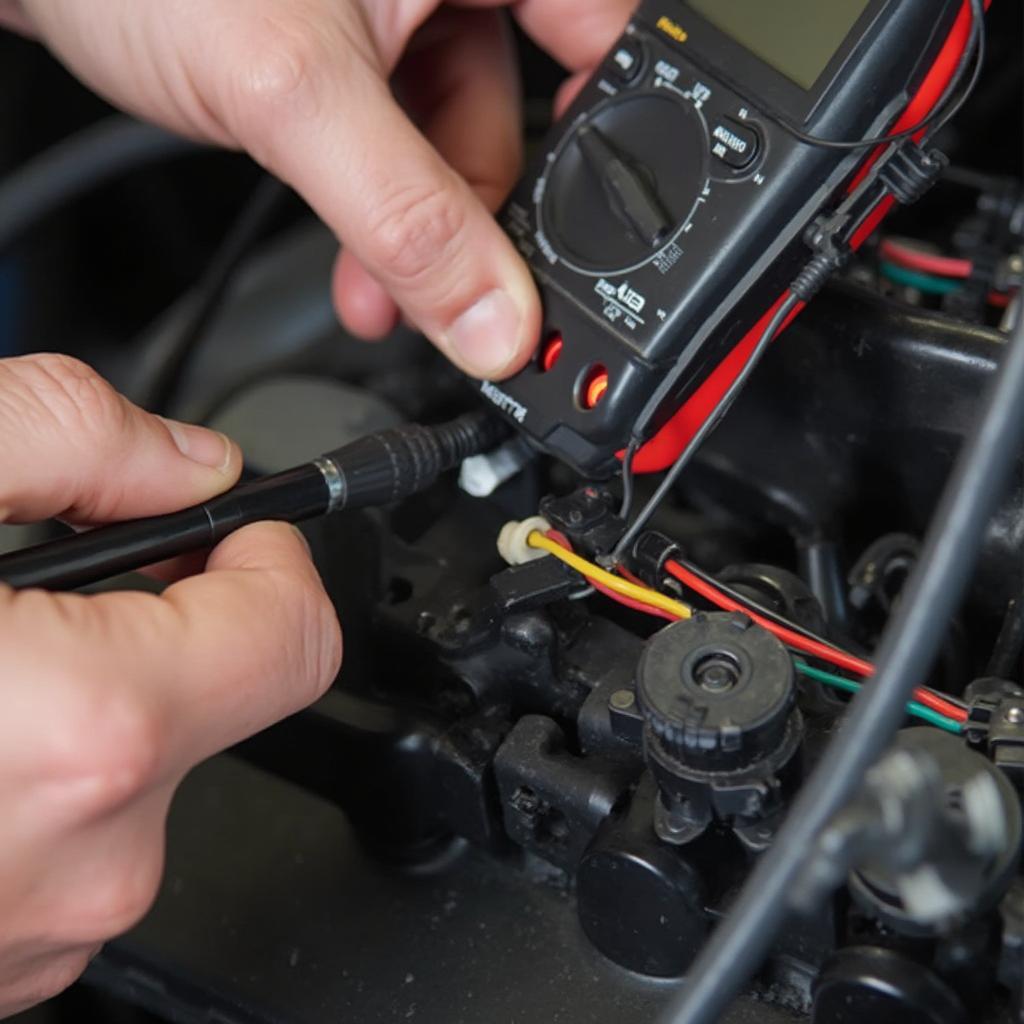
(587, 569)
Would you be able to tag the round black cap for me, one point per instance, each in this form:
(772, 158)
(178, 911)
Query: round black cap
(715, 691)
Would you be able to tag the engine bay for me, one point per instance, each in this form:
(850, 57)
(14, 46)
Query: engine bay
(535, 788)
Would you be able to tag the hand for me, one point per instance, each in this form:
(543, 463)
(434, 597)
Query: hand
(303, 85)
(107, 701)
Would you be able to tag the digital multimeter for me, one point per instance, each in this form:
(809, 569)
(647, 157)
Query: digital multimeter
(665, 218)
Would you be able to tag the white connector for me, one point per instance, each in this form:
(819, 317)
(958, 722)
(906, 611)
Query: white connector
(512, 541)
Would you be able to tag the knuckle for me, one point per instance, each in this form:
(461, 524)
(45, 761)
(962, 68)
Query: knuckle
(106, 751)
(417, 230)
(292, 619)
(325, 642)
(279, 71)
(72, 395)
(272, 76)
(115, 904)
(314, 633)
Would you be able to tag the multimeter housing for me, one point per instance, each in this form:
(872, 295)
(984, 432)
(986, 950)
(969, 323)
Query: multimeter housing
(666, 213)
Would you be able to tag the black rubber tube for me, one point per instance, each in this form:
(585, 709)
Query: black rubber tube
(85, 558)
(907, 652)
(75, 166)
(378, 469)
(256, 216)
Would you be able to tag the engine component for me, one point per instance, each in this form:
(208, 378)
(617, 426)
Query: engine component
(721, 727)
(553, 802)
(869, 983)
(966, 825)
(659, 920)
(868, 448)
(780, 590)
(997, 724)
(880, 572)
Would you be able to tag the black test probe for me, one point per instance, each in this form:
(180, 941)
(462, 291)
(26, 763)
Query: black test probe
(376, 470)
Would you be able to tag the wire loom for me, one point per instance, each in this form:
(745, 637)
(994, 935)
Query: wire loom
(928, 706)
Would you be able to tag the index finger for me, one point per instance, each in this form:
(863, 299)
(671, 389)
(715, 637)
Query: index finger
(144, 686)
(577, 33)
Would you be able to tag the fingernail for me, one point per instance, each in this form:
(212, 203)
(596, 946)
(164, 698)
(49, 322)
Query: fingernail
(304, 539)
(207, 447)
(485, 338)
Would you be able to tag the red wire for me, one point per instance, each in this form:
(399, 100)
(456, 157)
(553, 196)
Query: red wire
(559, 538)
(662, 450)
(632, 577)
(943, 266)
(825, 652)
(927, 263)
(833, 655)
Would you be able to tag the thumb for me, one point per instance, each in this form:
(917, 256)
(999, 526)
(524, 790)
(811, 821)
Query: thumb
(73, 447)
(333, 130)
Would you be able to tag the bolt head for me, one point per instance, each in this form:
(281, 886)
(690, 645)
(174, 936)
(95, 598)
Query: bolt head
(622, 700)
(717, 673)
(1014, 715)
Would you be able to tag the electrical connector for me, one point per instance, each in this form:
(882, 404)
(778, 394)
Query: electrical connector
(513, 540)
(650, 552)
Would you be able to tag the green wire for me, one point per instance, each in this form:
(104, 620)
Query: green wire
(913, 708)
(927, 283)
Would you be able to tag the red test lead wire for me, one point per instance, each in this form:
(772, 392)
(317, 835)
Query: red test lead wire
(660, 451)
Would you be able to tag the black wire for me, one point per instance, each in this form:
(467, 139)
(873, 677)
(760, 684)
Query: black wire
(79, 164)
(965, 177)
(781, 620)
(628, 479)
(753, 604)
(975, 46)
(684, 457)
(908, 649)
(1005, 662)
(160, 390)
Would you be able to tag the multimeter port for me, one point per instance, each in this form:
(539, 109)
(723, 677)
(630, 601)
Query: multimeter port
(550, 350)
(594, 387)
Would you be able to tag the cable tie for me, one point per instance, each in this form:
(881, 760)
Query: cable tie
(910, 171)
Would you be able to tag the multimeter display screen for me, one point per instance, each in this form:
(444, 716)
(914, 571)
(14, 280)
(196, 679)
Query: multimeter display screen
(796, 37)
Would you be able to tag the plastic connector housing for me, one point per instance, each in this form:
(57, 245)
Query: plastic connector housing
(651, 550)
(513, 543)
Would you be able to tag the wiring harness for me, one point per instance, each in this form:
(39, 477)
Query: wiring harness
(627, 589)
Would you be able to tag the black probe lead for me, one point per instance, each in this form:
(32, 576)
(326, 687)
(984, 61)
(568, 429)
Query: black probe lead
(376, 470)
(946, 107)
(908, 649)
(683, 459)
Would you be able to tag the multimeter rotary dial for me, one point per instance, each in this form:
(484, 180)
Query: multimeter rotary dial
(624, 182)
